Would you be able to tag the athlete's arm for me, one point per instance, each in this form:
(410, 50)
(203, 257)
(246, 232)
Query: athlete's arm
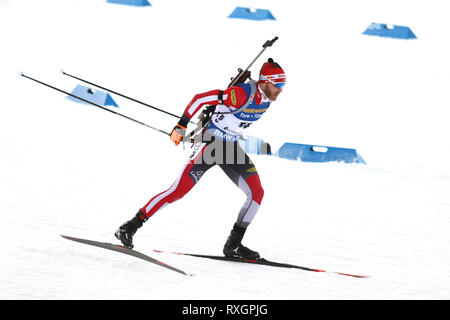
(233, 97)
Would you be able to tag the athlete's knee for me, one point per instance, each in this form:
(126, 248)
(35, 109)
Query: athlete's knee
(258, 194)
(256, 188)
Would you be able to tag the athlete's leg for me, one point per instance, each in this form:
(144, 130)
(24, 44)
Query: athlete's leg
(246, 177)
(189, 176)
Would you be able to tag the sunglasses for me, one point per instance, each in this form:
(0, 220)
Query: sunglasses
(279, 85)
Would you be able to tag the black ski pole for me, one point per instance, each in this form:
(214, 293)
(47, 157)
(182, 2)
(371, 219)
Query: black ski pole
(95, 104)
(119, 94)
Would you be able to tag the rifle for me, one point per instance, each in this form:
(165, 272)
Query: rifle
(241, 77)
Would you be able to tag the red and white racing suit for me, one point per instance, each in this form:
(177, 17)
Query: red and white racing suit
(219, 145)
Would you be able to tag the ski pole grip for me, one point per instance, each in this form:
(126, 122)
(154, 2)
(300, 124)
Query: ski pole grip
(269, 43)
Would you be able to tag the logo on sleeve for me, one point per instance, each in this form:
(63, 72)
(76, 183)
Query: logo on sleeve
(233, 97)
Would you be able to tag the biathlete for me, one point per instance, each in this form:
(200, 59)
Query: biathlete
(237, 108)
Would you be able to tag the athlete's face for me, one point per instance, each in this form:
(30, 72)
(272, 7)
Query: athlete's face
(271, 91)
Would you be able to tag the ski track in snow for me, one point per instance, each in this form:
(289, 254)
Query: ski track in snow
(69, 168)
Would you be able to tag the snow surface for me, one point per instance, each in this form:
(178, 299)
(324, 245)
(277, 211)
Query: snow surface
(69, 168)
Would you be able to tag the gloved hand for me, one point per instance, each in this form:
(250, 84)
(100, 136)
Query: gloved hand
(178, 134)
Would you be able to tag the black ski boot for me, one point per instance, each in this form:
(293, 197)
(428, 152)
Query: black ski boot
(126, 231)
(234, 248)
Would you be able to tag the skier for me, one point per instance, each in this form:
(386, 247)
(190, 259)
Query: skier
(217, 144)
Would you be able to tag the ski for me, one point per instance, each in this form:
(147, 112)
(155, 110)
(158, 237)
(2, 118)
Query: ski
(125, 250)
(259, 261)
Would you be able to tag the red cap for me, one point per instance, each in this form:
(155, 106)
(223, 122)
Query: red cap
(272, 72)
